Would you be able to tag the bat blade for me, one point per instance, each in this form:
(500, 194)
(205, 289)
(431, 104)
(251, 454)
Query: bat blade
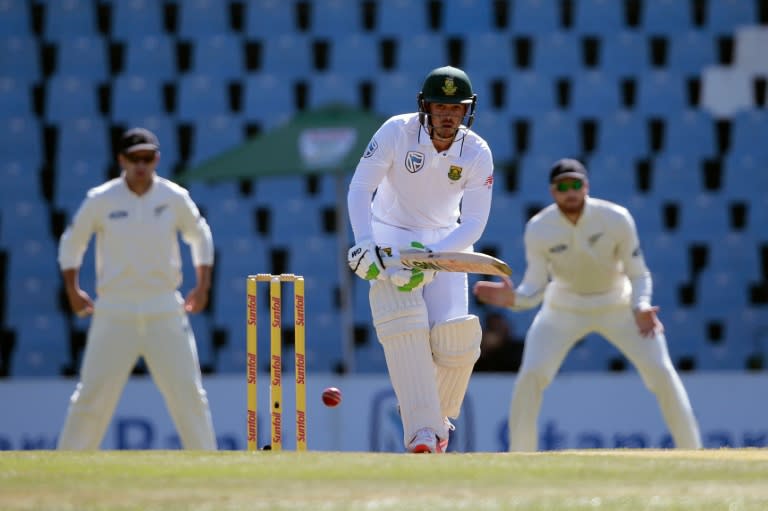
(461, 262)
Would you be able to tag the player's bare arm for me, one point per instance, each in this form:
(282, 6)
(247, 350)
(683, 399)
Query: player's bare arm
(500, 294)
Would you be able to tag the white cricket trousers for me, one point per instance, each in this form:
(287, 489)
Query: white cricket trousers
(115, 341)
(552, 335)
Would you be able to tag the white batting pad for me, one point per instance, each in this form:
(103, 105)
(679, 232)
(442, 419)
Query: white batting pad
(403, 330)
(455, 349)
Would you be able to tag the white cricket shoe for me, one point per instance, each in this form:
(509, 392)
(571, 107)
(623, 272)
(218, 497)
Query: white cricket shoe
(425, 441)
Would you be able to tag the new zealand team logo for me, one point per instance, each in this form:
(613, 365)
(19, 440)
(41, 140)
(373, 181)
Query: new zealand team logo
(414, 161)
(454, 173)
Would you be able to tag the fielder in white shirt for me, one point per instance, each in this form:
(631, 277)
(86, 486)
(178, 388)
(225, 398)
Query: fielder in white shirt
(585, 264)
(139, 311)
(432, 177)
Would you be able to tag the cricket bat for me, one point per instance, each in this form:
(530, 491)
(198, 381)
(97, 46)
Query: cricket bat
(462, 262)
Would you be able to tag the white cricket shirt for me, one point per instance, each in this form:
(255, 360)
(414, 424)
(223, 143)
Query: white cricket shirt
(593, 263)
(138, 264)
(419, 188)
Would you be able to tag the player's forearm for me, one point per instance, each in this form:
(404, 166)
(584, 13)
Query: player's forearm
(203, 276)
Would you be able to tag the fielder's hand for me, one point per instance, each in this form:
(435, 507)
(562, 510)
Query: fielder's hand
(648, 323)
(500, 294)
(405, 279)
(365, 261)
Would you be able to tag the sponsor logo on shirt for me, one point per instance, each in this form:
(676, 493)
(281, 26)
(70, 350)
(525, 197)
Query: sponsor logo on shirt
(489, 182)
(558, 248)
(454, 172)
(372, 146)
(414, 161)
(636, 252)
(118, 214)
(159, 209)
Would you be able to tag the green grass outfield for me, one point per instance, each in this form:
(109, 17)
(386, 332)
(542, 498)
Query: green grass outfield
(631, 480)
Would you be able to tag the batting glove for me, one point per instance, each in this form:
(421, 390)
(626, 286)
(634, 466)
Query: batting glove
(405, 279)
(365, 261)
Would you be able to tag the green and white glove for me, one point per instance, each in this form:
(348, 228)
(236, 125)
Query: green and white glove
(405, 279)
(365, 261)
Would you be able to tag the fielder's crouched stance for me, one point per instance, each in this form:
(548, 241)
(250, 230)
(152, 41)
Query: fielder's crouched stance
(585, 265)
(423, 166)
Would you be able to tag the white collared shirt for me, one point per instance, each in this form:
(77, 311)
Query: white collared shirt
(419, 188)
(593, 263)
(137, 249)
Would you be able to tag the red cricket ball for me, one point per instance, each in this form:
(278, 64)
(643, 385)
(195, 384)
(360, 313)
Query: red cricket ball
(331, 397)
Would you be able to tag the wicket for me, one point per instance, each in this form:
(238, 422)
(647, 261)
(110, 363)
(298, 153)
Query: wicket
(276, 359)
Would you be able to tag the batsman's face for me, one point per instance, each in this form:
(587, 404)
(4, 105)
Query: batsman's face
(446, 118)
(570, 194)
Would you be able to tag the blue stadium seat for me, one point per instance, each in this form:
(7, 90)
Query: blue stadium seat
(21, 140)
(19, 58)
(533, 180)
(201, 327)
(272, 190)
(744, 178)
(152, 56)
(214, 136)
(661, 93)
(646, 210)
(555, 134)
(737, 252)
(417, 54)
(266, 19)
(15, 18)
(21, 217)
(748, 135)
(220, 55)
(675, 177)
(84, 138)
(557, 54)
(598, 17)
(624, 53)
(199, 18)
(703, 217)
(229, 217)
(506, 219)
(594, 93)
(401, 17)
(333, 18)
(496, 129)
(68, 18)
(690, 51)
(682, 331)
(42, 345)
(294, 219)
(467, 18)
(15, 98)
(73, 179)
(666, 256)
(725, 16)
(268, 99)
(18, 181)
(288, 56)
(355, 56)
(133, 19)
(529, 94)
(136, 95)
(395, 93)
(612, 176)
(666, 17)
(59, 107)
(624, 134)
(201, 96)
(690, 134)
(535, 16)
(488, 55)
(84, 56)
(333, 87)
(369, 358)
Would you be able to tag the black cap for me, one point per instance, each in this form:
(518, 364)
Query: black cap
(138, 139)
(567, 167)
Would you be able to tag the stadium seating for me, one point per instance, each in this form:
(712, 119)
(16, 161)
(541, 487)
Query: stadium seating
(667, 110)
